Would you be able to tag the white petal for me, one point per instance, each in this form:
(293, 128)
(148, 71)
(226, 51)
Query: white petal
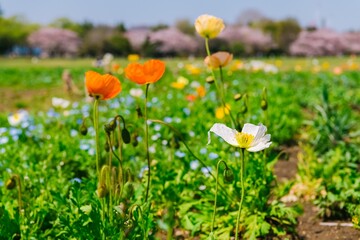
(259, 147)
(250, 128)
(226, 133)
(260, 134)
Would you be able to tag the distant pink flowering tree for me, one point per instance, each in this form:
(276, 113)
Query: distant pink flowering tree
(137, 37)
(322, 42)
(253, 40)
(55, 42)
(352, 42)
(173, 41)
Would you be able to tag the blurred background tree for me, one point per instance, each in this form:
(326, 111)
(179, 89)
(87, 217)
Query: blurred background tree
(13, 32)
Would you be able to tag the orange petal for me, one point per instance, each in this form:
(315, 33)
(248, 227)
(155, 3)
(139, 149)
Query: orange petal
(134, 72)
(104, 86)
(153, 70)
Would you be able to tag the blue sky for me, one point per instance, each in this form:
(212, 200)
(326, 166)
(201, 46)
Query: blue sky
(338, 15)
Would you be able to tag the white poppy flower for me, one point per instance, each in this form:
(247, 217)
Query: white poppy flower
(252, 137)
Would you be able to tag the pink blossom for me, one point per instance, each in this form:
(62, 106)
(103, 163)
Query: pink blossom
(55, 41)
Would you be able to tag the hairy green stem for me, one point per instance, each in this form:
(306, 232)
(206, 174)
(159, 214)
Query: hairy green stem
(96, 127)
(147, 143)
(219, 87)
(216, 191)
(242, 165)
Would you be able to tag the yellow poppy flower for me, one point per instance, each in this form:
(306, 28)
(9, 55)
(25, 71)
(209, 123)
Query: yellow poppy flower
(209, 26)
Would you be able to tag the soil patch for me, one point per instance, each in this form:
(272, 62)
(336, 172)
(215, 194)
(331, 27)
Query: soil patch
(310, 226)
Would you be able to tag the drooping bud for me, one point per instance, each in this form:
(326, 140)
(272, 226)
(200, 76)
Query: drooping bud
(135, 141)
(228, 175)
(125, 135)
(210, 79)
(102, 191)
(110, 126)
(139, 112)
(11, 183)
(238, 96)
(264, 102)
(83, 129)
(128, 190)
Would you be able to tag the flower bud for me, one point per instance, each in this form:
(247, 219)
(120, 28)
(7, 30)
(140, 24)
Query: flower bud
(83, 129)
(264, 102)
(128, 190)
(264, 105)
(238, 96)
(243, 109)
(139, 112)
(210, 79)
(125, 135)
(110, 126)
(135, 142)
(102, 191)
(228, 175)
(11, 183)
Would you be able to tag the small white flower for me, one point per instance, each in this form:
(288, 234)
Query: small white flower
(60, 102)
(252, 137)
(136, 92)
(19, 117)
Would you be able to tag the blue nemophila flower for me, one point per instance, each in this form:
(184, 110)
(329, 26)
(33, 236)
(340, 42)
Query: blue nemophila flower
(213, 155)
(194, 164)
(180, 154)
(206, 171)
(4, 140)
(252, 137)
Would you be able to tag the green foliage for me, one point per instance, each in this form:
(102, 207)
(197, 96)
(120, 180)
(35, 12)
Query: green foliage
(283, 32)
(13, 31)
(185, 26)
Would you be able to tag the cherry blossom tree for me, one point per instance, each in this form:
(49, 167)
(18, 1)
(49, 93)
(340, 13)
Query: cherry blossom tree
(253, 40)
(322, 42)
(55, 42)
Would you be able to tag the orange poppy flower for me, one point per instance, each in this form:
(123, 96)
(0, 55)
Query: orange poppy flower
(151, 71)
(100, 86)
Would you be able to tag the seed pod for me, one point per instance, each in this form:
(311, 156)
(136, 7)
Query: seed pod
(10, 184)
(228, 175)
(125, 135)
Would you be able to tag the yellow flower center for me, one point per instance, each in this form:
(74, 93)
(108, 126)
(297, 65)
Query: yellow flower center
(16, 116)
(244, 139)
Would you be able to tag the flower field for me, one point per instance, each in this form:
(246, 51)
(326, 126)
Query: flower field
(178, 148)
